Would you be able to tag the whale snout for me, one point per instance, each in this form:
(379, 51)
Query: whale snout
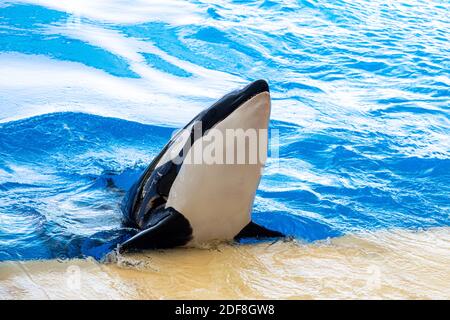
(256, 103)
(258, 86)
(253, 89)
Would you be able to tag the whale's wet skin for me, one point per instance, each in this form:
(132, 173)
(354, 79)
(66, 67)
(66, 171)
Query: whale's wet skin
(89, 95)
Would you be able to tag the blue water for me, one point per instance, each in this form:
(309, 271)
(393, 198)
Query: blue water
(90, 93)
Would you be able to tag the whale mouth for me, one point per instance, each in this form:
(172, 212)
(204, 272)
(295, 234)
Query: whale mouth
(243, 95)
(233, 100)
(226, 105)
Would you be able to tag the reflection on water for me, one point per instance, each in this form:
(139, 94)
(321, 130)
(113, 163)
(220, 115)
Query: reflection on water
(396, 264)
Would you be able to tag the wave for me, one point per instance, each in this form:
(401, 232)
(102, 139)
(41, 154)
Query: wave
(71, 170)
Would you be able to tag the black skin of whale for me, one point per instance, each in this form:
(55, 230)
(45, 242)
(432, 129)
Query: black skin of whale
(161, 227)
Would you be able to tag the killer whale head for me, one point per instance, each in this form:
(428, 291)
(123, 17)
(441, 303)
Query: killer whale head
(179, 201)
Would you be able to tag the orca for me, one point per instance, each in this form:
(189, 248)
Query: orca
(177, 202)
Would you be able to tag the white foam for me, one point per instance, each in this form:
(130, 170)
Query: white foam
(34, 85)
(175, 12)
(131, 50)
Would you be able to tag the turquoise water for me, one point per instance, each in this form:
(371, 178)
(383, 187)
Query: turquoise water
(89, 93)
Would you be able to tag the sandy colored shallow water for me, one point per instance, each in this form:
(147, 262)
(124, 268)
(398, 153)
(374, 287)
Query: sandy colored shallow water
(390, 264)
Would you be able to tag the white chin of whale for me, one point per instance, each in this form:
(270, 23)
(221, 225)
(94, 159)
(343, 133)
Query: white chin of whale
(216, 196)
